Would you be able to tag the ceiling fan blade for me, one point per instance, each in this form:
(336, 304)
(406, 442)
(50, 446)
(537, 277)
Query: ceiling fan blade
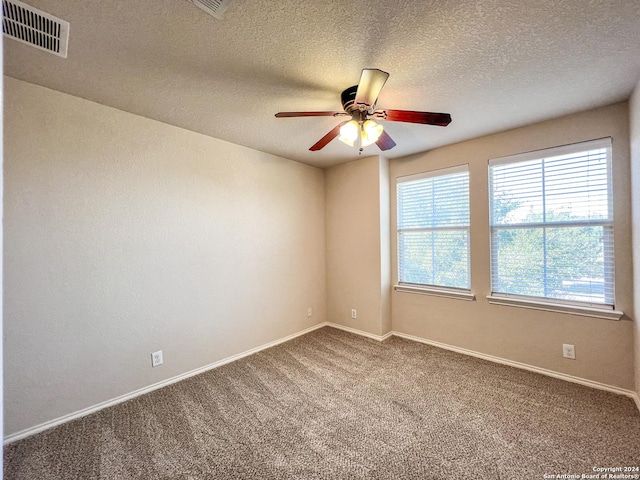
(327, 138)
(385, 142)
(428, 118)
(308, 114)
(371, 82)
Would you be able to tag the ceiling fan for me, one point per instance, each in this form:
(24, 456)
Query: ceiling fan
(359, 103)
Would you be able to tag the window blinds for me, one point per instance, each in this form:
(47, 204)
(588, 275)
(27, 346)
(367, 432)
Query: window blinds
(552, 224)
(433, 228)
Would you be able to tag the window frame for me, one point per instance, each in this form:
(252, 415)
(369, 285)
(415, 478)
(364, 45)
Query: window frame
(584, 308)
(434, 289)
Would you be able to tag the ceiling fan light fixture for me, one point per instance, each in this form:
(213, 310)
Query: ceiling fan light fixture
(371, 132)
(349, 132)
(368, 132)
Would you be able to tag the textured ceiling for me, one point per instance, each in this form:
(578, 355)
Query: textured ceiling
(491, 64)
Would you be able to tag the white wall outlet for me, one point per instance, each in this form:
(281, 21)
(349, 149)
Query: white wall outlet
(309, 312)
(156, 358)
(354, 313)
(569, 351)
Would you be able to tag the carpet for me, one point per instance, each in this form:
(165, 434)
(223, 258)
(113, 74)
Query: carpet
(333, 405)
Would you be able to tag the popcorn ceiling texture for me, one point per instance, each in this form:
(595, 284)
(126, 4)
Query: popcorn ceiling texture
(492, 64)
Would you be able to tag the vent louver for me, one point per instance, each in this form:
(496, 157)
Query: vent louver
(34, 27)
(212, 7)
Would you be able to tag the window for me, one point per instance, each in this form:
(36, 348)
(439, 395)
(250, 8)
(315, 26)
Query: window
(433, 229)
(552, 225)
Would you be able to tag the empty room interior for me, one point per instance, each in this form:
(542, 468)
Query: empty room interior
(296, 239)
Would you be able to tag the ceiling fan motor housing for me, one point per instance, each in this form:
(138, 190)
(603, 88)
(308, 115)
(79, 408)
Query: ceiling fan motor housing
(348, 98)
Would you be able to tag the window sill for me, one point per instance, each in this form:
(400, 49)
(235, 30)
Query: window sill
(556, 307)
(437, 292)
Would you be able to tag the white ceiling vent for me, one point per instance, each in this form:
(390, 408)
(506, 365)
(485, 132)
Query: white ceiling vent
(212, 7)
(34, 27)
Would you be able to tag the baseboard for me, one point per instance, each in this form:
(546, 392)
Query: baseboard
(524, 366)
(136, 393)
(380, 338)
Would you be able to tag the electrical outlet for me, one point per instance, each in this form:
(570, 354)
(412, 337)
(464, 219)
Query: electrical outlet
(569, 351)
(156, 358)
(309, 312)
(354, 313)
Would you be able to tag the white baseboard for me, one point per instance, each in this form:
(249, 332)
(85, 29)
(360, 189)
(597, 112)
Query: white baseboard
(636, 398)
(524, 366)
(141, 391)
(380, 338)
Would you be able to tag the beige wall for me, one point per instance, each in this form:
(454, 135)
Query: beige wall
(124, 236)
(604, 348)
(634, 110)
(385, 249)
(357, 239)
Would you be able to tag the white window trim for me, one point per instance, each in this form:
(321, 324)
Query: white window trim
(549, 306)
(459, 294)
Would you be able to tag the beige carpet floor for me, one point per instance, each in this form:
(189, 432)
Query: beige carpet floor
(332, 405)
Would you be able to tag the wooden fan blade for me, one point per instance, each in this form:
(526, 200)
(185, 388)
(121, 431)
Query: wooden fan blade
(385, 142)
(371, 82)
(427, 118)
(307, 114)
(327, 138)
